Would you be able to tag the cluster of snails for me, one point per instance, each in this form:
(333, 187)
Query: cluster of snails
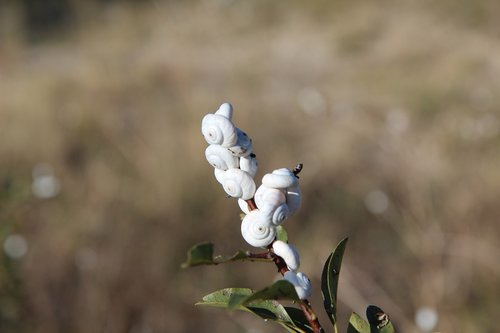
(230, 152)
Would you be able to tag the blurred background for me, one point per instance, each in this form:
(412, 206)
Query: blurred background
(392, 106)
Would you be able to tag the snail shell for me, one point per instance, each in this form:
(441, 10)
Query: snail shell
(281, 179)
(266, 196)
(219, 175)
(225, 110)
(243, 206)
(293, 199)
(280, 214)
(289, 254)
(243, 146)
(301, 282)
(257, 230)
(249, 164)
(219, 130)
(238, 184)
(220, 158)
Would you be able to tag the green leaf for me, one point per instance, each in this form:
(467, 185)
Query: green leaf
(200, 254)
(379, 320)
(203, 254)
(281, 289)
(330, 280)
(281, 234)
(299, 319)
(265, 309)
(357, 324)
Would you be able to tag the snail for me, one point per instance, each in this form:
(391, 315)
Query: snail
(269, 196)
(243, 146)
(280, 179)
(219, 175)
(238, 184)
(257, 230)
(280, 214)
(301, 282)
(293, 199)
(272, 202)
(249, 164)
(220, 158)
(225, 110)
(219, 130)
(288, 253)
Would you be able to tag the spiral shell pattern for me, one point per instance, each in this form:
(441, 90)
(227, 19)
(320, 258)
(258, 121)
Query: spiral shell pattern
(220, 158)
(238, 184)
(280, 214)
(219, 130)
(256, 229)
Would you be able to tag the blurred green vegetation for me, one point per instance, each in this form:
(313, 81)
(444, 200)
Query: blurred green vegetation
(392, 106)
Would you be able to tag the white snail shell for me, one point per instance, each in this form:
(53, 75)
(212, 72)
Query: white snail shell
(226, 110)
(266, 196)
(257, 230)
(243, 146)
(280, 214)
(219, 130)
(238, 184)
(220, 158)
(301, 282)
(293, 199)
(249, 164)
(289, 254)
(219, 175)
(243, 206)
(281, 179)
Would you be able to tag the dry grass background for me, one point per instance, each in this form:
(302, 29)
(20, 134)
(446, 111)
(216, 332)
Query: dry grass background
(399, 97)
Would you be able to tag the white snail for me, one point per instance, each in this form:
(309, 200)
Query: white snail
(225, 110)
(249, 164)
(288, 253)
(219, 175)
(280, 214)
(243, 146)
(220, 158)
(293, 199)
(257, 230)
(281, 179)
(219, 130)
(269, 196)
(238, 184)
(243, 206)
(301, 282)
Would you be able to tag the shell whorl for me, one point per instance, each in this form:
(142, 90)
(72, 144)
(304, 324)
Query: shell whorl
(220, 158)
(219, 175)
(301, 282)
(280, 179)
(243, 146)
(289, 254)
(257, 230)
(219, 130)
(226, 110)
(280, 214)
(238, 184)
(265, 196)
(249, 164)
